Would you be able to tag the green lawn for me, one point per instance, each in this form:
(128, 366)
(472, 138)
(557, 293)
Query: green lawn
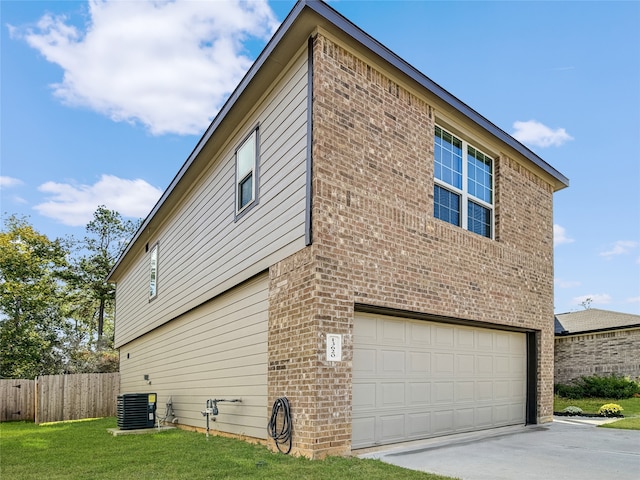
(624, 424)
(85, 450)
(631, 409)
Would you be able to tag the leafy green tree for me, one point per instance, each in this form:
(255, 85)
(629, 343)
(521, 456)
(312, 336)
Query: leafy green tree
(107, 236)
(32, 306)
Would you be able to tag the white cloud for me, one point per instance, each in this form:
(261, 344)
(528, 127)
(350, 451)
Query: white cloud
(633, 300)
(8, 182)
(536, 134)
(560, 236)
(168, 65)
(74, 205)
(566, 283)
(621, 247)
(596, 299)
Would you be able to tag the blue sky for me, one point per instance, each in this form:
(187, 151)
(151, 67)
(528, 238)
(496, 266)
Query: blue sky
(102, 102)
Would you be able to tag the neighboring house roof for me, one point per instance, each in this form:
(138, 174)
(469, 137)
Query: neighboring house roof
(558, 329)
(593, 320)
(305, 17)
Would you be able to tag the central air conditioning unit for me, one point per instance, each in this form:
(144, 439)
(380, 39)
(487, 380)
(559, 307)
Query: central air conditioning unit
(136, 410)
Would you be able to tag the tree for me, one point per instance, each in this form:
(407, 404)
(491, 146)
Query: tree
(32, 306)
(586, 303)
(108, 236)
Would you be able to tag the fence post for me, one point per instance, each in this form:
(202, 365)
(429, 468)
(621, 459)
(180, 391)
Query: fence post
(36, 401)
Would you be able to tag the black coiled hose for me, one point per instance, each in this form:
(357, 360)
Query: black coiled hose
(279, 426)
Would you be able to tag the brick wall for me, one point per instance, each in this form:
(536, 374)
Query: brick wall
(605, 353)
(376, 242)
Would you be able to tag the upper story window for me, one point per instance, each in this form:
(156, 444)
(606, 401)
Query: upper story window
(246, 172)
(463, 191)
(153, 273)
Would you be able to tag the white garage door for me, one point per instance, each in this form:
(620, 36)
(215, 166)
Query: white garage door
(415, 379)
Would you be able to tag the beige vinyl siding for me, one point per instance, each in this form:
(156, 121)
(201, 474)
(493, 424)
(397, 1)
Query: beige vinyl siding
(202, 250)
(218, 350)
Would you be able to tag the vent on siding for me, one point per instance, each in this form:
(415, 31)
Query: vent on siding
(136, 410)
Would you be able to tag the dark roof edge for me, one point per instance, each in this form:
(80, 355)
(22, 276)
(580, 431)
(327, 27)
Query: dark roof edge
(568, 333)
(376, 47)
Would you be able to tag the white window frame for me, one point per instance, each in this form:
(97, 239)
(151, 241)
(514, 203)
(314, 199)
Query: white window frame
(465, 196)
(241, 176)
(153, 272)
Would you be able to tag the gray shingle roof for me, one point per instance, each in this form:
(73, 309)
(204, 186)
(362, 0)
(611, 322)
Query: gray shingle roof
(593, 319)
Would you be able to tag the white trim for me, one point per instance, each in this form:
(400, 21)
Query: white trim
(153, 272)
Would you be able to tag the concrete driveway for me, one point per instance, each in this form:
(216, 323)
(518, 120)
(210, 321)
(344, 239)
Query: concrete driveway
(565, 449)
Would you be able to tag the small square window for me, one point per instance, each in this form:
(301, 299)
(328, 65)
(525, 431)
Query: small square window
(245, 191)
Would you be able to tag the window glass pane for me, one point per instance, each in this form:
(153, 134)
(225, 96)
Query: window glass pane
(479, 220)
(246, 156)
(245, 168)
(448, 158)
(446, 205)
(153, 278)
(245, 191)
(479, 182)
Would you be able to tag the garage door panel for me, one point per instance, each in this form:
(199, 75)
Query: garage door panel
(416, 379)
(418, 425)
(392, 428)
(364, 396)
(444, 336)
(484, 365)
(517, 412)
(419, 334)
(519, 369)
(419, 394)
(465, 338)
(419, 363)
(518, 389)
(393, 362)
(443, 392)
(464, 391)
(502, 413)
(465, 364)
(392, 395)
(464, 418)
(364, 361)
(393, 332)
(363, 430)
(518, 344)
(443, 363)
(501, 365)
(484, 416)
(502, 390)
(443, 422)
(484, 390)
(485, 340)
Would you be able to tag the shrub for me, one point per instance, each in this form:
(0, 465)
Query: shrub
(610, 410)
(611, 386)
(571, 410)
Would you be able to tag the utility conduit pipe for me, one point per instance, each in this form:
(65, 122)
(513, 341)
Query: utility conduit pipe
(211, 409)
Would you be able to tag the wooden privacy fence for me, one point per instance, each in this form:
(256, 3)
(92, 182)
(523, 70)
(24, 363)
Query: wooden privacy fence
(53, 398)
(18, 400)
